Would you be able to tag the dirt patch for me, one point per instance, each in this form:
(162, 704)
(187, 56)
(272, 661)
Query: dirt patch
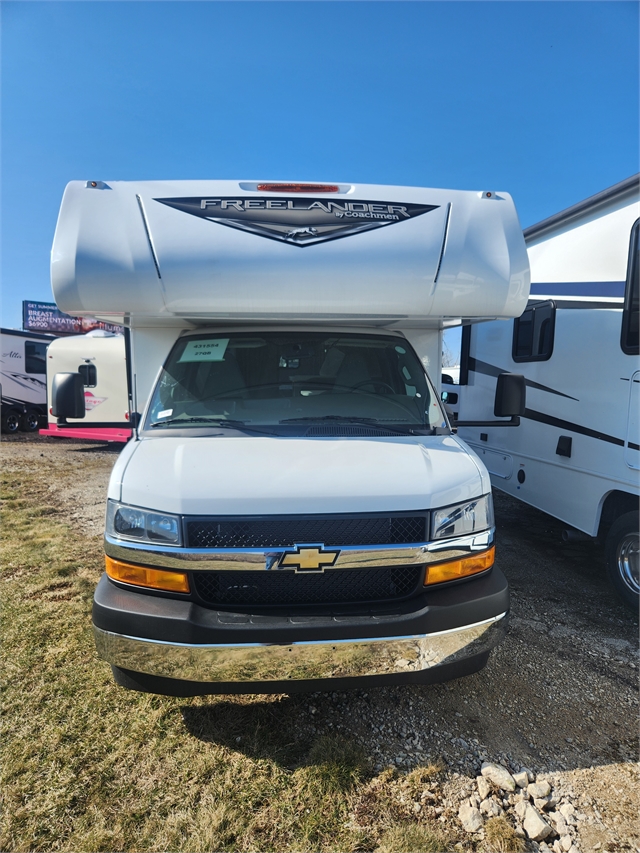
(559, 696)
(74, 473)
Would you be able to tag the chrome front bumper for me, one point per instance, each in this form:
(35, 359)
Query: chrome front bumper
(250, 662)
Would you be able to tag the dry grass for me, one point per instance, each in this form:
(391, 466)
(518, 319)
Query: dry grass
(410, 838)
(89, 766)
(500, 837)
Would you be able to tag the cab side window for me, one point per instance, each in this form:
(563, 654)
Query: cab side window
(533, 333)
(89, 375)
(35, 357)
(630, 315)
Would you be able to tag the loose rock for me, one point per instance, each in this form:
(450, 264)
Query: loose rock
(470, 818)
(499, 775)
(521, 779)
(484, 787)
(491, 808)
(567, 811)
(536, 828)
(539, 790)
(521, 809)
(559, 823)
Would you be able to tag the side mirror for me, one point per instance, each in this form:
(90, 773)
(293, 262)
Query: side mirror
(67, 396)
(449, 397)
(511, 394)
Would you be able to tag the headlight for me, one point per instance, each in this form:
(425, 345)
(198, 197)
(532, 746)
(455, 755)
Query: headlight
(142, 525)
(462, 519)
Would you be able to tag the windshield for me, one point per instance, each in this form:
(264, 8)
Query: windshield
(273, 379)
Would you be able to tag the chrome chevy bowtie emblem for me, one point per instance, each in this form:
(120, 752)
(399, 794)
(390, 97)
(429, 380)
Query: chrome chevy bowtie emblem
(304, 558)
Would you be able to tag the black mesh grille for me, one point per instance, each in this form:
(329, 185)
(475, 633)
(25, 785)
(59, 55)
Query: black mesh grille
(286, 532)
(286, 587)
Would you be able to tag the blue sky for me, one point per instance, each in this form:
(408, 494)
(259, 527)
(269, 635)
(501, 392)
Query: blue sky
(539, 99)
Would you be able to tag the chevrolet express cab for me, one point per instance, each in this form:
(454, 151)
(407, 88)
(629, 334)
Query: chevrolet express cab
(295, 510)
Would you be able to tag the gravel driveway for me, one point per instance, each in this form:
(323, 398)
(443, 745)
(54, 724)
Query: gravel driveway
(558, 697)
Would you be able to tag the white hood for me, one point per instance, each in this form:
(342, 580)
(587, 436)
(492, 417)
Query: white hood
(221, 475)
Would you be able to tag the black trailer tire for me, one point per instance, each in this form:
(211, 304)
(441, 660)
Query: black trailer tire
(30, 422)
(10, 421)
(621, 555)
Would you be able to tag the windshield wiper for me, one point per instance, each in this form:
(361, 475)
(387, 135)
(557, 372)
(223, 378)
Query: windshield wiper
(206, 419)
(411, 430)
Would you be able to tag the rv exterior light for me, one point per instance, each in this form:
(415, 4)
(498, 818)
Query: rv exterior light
(463, 519)
(143, 576)
(94, 183)
(134, 523)
(298, 188)
(454, 570)
(488, 195)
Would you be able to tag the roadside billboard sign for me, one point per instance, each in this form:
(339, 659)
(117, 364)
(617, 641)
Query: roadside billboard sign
(47, 317)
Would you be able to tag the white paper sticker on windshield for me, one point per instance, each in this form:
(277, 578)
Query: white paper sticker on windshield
(165, 413)
(211, 350)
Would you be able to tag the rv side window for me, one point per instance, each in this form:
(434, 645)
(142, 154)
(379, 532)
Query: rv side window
(89, 375)
(35, 356)
(630, 315)
(533, 333)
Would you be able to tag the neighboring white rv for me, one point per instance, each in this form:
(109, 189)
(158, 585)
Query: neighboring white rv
(23, 379)
(576, 454)
(99, 357)
(451, 375)
(294, 511)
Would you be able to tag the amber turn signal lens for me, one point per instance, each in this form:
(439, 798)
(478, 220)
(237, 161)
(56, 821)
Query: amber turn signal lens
(456, 569)
(150, 578)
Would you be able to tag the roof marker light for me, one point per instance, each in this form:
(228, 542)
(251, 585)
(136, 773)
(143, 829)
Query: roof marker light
(298, 188)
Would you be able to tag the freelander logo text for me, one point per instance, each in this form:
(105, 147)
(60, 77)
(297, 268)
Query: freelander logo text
(298, 221)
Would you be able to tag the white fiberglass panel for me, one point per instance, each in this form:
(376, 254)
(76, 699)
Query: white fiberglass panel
(589, 249)
(238, 272)
(216, 250)
(631, 452)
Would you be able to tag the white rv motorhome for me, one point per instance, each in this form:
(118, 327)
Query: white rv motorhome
(294, 510)
(99, 357)
(22, 375)
(576, 454)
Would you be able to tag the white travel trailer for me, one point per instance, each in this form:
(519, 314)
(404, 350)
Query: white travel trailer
(575, 456)
(22, 375)
(99, 357)
(294, 510)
